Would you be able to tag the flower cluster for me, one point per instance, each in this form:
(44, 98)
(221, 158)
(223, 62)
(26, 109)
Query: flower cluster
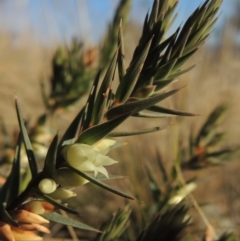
(80, 156)
(90, 158)
(28, 222)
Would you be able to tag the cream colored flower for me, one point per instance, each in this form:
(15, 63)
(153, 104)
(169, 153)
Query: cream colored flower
(90, 158)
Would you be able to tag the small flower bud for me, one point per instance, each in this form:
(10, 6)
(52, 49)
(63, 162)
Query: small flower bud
(35, 207)
(47, 185)
(24, 216)
(62, 193)
(38, 207)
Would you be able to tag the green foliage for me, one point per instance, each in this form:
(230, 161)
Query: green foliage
(166, 226)
(110, 41)
(72, 74)
(55, 217)
(27, 143)
(227, 237)
(207, 147)
(115, 226)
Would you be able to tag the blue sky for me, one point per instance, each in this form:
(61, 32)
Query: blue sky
(59, 20)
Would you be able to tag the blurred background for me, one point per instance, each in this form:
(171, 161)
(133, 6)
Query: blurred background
(30, 32)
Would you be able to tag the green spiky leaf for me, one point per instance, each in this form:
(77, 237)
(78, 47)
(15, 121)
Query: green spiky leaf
(100, 184)
(213, 120)
(96, 133)
(137, 132)
(90, 103)
(138, 105)
(129, 81)
(50, 160)
(121, 54)
(6, 216)
(160, 109)
(115, 226)
(103, 93)
(55, 217)
(54, 202)
(166, 226)
(14, 187)
(72, 130)
(27, 143)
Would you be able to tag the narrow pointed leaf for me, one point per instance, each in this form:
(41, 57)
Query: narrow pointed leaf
(25, 179)
(180, 72)
(103, 93)
(165, 69)
(14, 187)
(6, 216)
(4, 190)
(54, 202)
(216, 116)
(129, 81)
(101, 184)
(138, 105)
(163, 83)
(71, 131)
(101, 177)
(137, 132)
(90, 101)
(182, 60)
(154, 13)
(121, 54)
(144, 114)
(177, 52)
(160, 109)
(5, 137)
(50, 160)
(27, 143)
(96, 133)
(55, 217)
(110, 42)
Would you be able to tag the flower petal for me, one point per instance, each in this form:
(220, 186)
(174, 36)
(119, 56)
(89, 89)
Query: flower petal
(41, 228)
(104, 146)
(77, 154)
(38, 207)
(102, 170)
(22, 235)
(5, 232)
(86, 167)
(34, 227)
(34, 207)
(102, 160)
(28, 217)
